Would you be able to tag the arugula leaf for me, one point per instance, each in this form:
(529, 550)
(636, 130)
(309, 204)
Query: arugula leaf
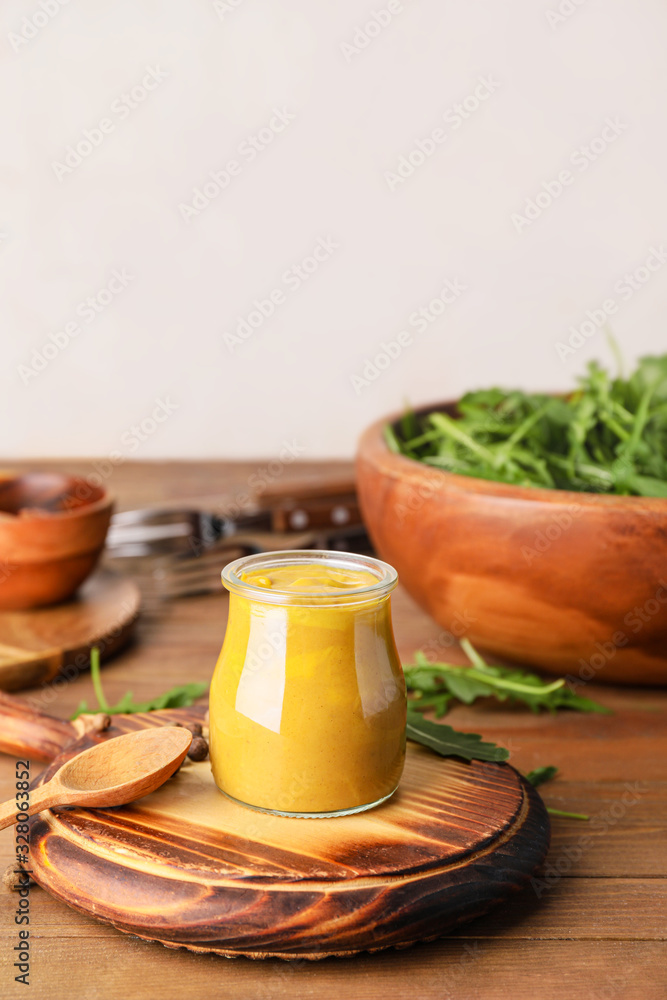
(435, 685)
(177, 697)
(449, 742)
(567, 815)
(609, 435)
(541, 774)
(391, 439)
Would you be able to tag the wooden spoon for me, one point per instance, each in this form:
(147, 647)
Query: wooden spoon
(117, 771)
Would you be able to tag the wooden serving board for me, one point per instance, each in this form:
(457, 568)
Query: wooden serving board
(189, 868)
(37, 645)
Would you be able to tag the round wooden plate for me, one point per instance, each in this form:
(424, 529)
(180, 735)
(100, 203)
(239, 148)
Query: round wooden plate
(189, 868)
(37, 645)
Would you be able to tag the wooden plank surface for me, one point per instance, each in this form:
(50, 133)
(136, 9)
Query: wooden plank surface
(597, 931)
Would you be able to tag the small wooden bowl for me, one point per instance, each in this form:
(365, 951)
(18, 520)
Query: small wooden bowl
(52, 531)
(574, 583)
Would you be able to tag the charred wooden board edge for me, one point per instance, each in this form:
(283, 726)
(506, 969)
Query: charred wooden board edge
(35, 667)
(522, 849)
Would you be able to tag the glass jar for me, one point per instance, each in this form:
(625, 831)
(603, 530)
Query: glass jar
(307, 702)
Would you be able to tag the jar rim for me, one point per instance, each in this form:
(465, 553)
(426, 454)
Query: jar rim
(386, 577)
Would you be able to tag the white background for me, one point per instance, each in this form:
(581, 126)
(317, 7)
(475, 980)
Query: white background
(359, 103)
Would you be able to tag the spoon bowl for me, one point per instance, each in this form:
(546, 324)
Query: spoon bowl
(117, 771)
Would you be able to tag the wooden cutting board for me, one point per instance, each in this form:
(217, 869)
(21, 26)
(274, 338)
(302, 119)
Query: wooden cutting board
(37, 645)
(189, 868)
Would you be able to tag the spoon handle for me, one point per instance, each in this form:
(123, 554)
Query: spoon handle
(40, 798)
(7, 813)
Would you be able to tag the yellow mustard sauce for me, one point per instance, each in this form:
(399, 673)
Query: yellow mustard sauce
(307, 702)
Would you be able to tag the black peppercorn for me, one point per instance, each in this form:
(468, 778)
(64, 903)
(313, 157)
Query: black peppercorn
(193, 727)
(198, 749)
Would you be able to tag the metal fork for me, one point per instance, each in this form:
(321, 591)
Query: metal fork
(174, 575)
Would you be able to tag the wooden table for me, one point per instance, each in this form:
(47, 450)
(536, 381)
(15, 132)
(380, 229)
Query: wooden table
(597, 930)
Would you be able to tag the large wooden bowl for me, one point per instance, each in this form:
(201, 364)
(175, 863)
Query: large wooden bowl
(52, 531)
(574, 583)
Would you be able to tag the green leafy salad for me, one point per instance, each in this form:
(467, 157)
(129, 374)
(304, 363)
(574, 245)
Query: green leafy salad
(607, 436)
